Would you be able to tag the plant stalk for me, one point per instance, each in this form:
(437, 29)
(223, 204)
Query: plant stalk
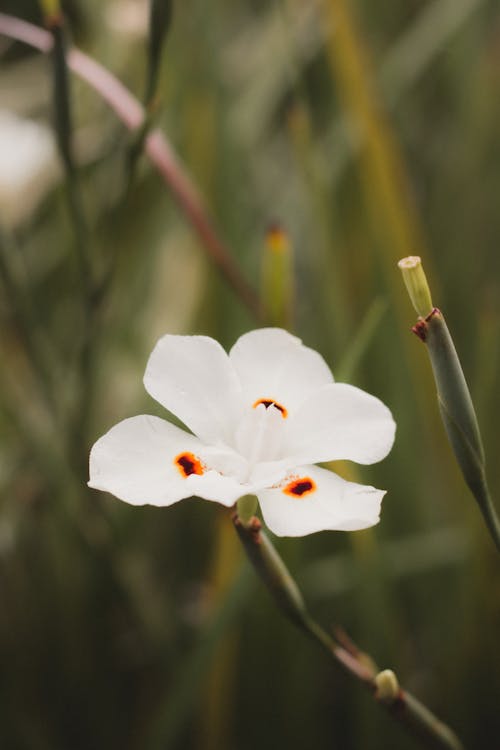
(401, 705)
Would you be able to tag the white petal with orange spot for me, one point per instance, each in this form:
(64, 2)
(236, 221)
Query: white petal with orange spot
(138, 462)
(321, 501)
(271, 364)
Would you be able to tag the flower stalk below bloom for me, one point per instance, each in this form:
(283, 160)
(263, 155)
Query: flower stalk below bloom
(246, 508)
(406, 709)
(272, 570)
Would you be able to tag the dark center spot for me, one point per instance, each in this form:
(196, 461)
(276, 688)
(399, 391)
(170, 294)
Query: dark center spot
(301, 487)
(188, 464)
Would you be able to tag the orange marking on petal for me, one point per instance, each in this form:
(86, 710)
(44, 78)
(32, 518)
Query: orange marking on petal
(271, 402)
(300, 487)
(188, 463)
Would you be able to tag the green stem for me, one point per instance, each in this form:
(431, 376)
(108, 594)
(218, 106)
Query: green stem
(64, 134)
(401, 705)
(458, 414)
(454, 399)
(160, 18)
(64, 131)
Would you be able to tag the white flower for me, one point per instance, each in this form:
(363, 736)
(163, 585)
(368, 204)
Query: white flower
(261, 417)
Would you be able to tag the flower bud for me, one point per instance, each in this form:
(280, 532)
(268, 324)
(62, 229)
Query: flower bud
(387, 686)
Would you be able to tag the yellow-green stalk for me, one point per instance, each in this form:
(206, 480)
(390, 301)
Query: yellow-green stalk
(277, 288)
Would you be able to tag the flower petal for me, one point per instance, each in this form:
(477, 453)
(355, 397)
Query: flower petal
(217, 487)
(273, 365)
(314, 499)
(340, 421)
(192, 377)
(146, 460)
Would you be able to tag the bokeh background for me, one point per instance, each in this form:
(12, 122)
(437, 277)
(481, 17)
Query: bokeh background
(370, 131)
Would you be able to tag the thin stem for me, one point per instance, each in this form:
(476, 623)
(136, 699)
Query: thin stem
(63, 119)
(402, 706)
(131, 113)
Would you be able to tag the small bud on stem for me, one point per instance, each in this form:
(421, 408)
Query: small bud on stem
(387, 686)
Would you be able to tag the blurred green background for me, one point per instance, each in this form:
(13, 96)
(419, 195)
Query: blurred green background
(370, 131)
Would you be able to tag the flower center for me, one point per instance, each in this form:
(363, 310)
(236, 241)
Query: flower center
(259, 435)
